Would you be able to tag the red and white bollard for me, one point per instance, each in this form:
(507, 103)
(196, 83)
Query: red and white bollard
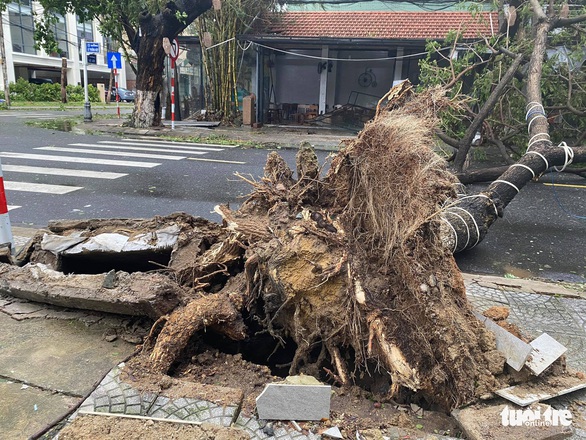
(117, 92)
(5, 229)
(172, 94)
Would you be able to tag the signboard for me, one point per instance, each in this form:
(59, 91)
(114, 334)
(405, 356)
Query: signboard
(91, 47)
(166, 45)
(174, 49)
(114, 60)
(92, 59)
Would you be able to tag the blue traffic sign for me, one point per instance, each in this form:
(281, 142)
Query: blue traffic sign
(114, 60)
(92, 47)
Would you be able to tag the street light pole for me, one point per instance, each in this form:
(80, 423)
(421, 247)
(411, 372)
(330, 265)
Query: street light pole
(87, 107)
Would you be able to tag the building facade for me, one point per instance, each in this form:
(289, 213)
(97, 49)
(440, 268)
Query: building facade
(25, 60)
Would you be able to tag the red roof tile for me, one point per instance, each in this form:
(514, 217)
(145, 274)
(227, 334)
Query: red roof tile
(382, 25)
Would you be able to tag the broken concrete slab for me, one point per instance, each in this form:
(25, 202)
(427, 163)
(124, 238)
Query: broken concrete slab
(527, 393)
(546, 350)
(514, 349)
(58, 243)
(126, 426)
(138, 294)
(286, 401)
(161, 239)
(504, 422)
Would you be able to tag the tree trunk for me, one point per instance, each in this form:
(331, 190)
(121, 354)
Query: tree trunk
(148, 45)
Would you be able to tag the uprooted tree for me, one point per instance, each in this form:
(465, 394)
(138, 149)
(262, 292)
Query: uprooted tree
(355, 270)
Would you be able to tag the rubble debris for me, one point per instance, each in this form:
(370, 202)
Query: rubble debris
(333, 432)
(546, 350)
(294, 399)
(514, 349)
(5, 253)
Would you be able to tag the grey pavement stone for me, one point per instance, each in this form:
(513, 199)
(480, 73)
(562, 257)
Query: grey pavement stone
(294, 402)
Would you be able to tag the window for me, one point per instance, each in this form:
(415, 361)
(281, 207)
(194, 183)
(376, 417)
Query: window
(20, 17)
(60, 30)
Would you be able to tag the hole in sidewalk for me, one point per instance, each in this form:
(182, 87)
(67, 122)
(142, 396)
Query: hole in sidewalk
(260, 349)
(97, 263)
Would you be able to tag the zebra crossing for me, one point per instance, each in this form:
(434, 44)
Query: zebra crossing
(121, 157)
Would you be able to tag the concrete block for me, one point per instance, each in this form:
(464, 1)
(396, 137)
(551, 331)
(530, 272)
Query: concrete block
(514, 349)
(281, 401)
(546, 350)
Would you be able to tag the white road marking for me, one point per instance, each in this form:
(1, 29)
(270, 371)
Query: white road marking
(180, 147)
(74, 159)
(202, 144)
(120, 147)
(10, 207)
(62, 172)
(216, 160)
(40, 187)
(111, 153)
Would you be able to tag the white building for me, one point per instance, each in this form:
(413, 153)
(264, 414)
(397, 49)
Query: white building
(23, 60)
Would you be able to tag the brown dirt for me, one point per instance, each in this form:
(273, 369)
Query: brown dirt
(91, 427)
(497, 313)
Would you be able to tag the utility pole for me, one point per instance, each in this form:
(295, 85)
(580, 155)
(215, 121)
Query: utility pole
(3, 61)
(87, 107)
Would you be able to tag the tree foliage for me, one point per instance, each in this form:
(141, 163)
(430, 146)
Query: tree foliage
(481, 66)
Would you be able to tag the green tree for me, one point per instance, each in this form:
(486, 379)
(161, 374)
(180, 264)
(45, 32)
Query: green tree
(140, 27)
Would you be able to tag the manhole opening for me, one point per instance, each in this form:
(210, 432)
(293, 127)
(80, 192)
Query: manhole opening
(96, 263)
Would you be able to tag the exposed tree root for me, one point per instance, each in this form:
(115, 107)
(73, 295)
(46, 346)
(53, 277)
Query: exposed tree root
(208, 311)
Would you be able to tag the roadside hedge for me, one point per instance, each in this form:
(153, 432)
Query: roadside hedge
(22, 90)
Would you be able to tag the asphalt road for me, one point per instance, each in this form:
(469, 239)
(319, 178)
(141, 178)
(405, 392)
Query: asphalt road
(543, 233)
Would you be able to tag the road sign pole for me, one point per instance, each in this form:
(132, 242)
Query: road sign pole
(87, 107)
(172, 94)
(117, 93)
